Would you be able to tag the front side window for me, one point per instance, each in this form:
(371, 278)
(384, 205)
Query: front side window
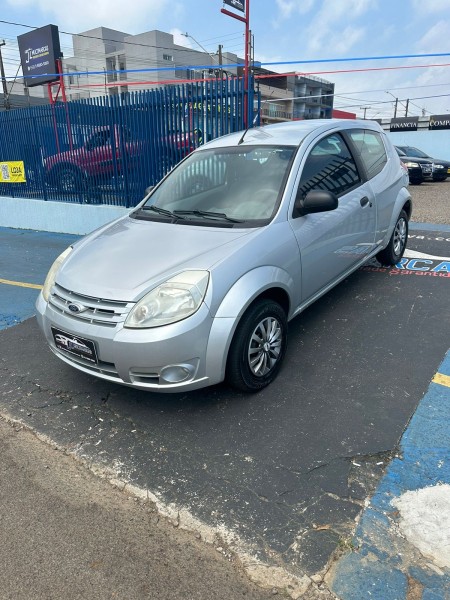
(370, 147)
(329, 166)
(243, 183)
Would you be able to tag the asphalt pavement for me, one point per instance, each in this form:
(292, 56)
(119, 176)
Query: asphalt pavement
(282, 475)
(67, 534)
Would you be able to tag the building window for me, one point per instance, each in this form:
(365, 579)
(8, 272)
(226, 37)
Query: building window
(168, 57)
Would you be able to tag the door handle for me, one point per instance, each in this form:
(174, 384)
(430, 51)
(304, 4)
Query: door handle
(365, 201)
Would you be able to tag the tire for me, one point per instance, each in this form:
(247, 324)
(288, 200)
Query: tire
(69, 179)
(397, 244)
(258, 347)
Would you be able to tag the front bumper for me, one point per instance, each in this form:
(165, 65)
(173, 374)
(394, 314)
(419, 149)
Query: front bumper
(150, 359)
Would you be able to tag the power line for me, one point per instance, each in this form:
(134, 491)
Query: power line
(103, 39)
(291, 62)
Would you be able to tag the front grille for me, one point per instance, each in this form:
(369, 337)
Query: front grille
(97, 311)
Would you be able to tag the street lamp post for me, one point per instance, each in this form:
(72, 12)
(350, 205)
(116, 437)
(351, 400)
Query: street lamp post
(396, 103)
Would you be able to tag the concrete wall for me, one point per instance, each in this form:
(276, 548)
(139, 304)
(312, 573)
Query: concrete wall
(434, 143)
(60, 217)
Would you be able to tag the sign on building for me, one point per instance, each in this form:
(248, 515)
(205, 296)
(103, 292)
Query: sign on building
(404, 124)
(439, 122)
(39, 50)
(238, 4)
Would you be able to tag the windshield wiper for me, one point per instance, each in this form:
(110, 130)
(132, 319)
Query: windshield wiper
(162, 211)
(207, 213)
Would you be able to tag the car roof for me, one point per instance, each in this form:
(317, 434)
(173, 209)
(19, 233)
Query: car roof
(290, 133)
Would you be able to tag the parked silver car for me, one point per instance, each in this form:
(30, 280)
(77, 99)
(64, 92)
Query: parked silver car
(197, 284)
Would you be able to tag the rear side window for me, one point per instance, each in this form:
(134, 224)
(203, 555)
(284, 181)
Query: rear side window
(370, 147)
(329, 166)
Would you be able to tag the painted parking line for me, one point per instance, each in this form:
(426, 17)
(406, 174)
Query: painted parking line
(402, 538)
(442, 379)
(34, 286)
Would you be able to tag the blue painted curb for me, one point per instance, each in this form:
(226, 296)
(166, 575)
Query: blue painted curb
(384, 564)
(413, 226)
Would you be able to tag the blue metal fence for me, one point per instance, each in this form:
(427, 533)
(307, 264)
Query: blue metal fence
(108, 150)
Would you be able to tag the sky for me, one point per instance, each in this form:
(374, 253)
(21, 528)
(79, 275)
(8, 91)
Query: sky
(284, 30)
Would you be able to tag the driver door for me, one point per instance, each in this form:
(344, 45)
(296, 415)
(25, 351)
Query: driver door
(333, 242)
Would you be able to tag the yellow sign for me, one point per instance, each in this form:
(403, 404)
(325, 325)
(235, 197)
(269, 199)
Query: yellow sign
(12, 172)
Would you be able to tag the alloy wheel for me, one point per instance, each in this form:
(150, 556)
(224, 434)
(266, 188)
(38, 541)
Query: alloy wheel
(265, 346)
(400, 233)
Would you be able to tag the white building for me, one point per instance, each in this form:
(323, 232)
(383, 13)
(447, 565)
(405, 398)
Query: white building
(138, 62)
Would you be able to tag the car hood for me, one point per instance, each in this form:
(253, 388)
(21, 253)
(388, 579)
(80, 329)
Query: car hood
(125, 260)
(416, 159)
(66, 156)
(439, 161)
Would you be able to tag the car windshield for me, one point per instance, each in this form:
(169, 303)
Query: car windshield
(410, 151)
(239, 184)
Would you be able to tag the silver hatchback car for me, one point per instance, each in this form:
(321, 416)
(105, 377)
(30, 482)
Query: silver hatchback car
(196, 284)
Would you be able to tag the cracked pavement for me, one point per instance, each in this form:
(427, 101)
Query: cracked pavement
(288, 469)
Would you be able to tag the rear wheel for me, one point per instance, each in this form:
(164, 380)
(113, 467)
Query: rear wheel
(70, 179)
(258, 347)
(397, 244)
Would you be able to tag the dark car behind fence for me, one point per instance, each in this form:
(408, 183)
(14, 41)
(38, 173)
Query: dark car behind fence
(108, 150)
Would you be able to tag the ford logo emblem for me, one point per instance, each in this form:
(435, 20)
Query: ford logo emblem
(76, 308)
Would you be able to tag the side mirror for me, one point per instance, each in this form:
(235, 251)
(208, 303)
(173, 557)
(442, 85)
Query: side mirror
(148, 190)
(315, 201)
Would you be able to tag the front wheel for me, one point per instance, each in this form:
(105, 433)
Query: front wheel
(258, 347)
(397, 244)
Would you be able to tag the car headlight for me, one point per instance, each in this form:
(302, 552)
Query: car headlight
(411, 164)
(439, 166)
(51, 276)
(172, 301)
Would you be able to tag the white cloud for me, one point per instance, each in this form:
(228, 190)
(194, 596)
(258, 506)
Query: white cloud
(431, 6)
(432, 40)
(333, 29)
(337, 43)
(83, 15)
(288, 7)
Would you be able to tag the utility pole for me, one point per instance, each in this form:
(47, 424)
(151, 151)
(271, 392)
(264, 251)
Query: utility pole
(406, 107)
(365, 109)
(2, 73)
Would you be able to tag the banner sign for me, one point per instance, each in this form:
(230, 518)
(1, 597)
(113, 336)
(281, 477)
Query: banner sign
(439, 122)
(238, 4)
(404, 124)
(12, 172)
(39, 50)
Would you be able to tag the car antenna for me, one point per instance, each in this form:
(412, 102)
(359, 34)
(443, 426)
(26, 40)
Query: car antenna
(243, 136)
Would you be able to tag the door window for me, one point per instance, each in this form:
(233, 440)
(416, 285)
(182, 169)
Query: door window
(329, 166)
(371, 149)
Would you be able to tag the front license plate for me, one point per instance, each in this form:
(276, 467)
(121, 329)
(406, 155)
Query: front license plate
(448, 170)
(75, 345)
